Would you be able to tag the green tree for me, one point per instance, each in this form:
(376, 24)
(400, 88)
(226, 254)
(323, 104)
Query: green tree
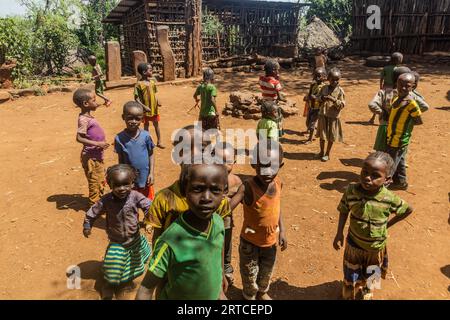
(337, 14)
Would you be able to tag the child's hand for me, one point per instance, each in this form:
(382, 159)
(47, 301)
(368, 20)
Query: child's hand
(338, 241)
(86, 233)
(150, 180)
(102, 144)
(282, 241)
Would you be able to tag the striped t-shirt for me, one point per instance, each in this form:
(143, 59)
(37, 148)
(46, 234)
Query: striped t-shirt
(269, 87)
(401, 121)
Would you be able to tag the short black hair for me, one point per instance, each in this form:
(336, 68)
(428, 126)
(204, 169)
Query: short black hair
(320, 70)
(120, 168)
(92, 58)
(270, 66)
(186, 173)
(268, 106)
(336, 72)
(398, 72)
(397, 57)
(81, 95)
(270, 145)
(131, 104)
(383, 157)
(208, 74)
(142, 67)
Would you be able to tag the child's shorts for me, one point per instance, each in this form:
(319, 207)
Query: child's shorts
(100, 87)
(148, 119)
(210, 122)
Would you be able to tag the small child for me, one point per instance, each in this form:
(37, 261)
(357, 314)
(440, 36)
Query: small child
(267, 126)
(145, 94)
(262, 227)
(92, 136)
(271, 89)
(98, 77)
(387, 82)
(404, 115)
(225, 153)
(320, 58)
(369, 204)
(332, 99)
(187, 262)
(135, 147)
(209, 114)
(417, 96)
(128, 250)
(320, 75)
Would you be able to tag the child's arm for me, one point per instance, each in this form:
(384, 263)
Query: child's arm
(399, 218)
(282, 236)
(382, 79)
(418, 121)
(376, 105)
(137, 98)
(81, 138)
(148, 286)
(93, 213)
(238, 197)
(196, 94)
(280, 96)
(344, 212)
(151, 165)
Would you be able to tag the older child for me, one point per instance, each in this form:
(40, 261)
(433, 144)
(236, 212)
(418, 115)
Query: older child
(405, 113)
(225, 153)
(187, 262)
(92, 136)
(369, 204)
(320, 58)
(320, 75)
(267, 126)
(135, 147)
(417, 96)
(262, 227)
(209, 114)
(332, 99)
(145, 94)
(128, 250)
(98, 77)
(271, 89)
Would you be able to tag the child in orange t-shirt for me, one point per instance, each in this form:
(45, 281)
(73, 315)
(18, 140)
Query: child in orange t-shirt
(262, 227)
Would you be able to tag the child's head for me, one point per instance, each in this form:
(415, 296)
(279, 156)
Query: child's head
(225, 153)
(92, 60)
(120, 179)
(417, 79)
(334, 76)
(145, 69)
(204, 186)
(319, 51)
(208, 75)
(269, 109)
(405, 84)
(377, 171)
(267, 160)
(398, 72)
(396, 58)
(271, 68)
(190, 138)
(320, 74)
(132, 114)
(85, 99)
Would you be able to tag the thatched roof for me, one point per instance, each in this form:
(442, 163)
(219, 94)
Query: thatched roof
(317, 34)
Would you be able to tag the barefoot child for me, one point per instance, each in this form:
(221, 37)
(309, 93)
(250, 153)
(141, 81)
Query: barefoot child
(92, 136)
(225, 153)
(145, 94)
(135, 147)
(332, 99)
(187, 262)
(320, 75)
(369, 204)
(267, 126)
(262, 228)
(98, 77)
(209, 114)
(128, 250)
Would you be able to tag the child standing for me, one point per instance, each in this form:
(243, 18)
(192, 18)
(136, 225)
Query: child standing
(135, 147)
(405, 113)
(320, 58)
(145, 94)
(332, 99)
(320, 75)
(267, 126)
(369, 204)
(92, 136)
(187, 262)
(128, 250)
(209, 114)
(271, 89)
(262, 227)
(98, 77)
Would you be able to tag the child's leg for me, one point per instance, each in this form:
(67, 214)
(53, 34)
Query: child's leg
(108, 291)
(158, 133)
(248, 262)
(228, 268)
(106, 99)
(330, 145)
(322, 148)
(94, 171)
(267, 259)
(372, 120)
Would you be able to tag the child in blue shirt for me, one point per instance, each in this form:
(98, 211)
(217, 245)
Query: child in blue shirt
(135, 147)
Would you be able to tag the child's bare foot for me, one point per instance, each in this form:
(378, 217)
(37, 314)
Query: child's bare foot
(308, 142)
(263, 296)
(107, 292)
(108, 103)
(161, 146)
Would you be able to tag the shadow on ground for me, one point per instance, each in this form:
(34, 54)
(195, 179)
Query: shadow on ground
(342, 180)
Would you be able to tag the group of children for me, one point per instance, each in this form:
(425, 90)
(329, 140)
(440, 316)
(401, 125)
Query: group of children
(191, 220)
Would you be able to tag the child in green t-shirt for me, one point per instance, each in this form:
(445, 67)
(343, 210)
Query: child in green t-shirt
(267, 126)
(209, 114)
(188, 257)
(98, 77)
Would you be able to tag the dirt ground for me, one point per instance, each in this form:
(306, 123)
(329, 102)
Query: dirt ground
(44, 191)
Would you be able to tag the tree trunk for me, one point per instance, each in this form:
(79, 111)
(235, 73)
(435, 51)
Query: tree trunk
(193, 62)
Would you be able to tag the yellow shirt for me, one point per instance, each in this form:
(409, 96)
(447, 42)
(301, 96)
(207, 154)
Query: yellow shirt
(146, 91)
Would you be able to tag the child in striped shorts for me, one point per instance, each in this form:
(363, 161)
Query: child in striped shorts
(128, 250)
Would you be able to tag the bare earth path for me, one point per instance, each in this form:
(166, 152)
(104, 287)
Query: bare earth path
(43, 192)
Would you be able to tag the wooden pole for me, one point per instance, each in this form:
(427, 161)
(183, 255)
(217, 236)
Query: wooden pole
(193, 17)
